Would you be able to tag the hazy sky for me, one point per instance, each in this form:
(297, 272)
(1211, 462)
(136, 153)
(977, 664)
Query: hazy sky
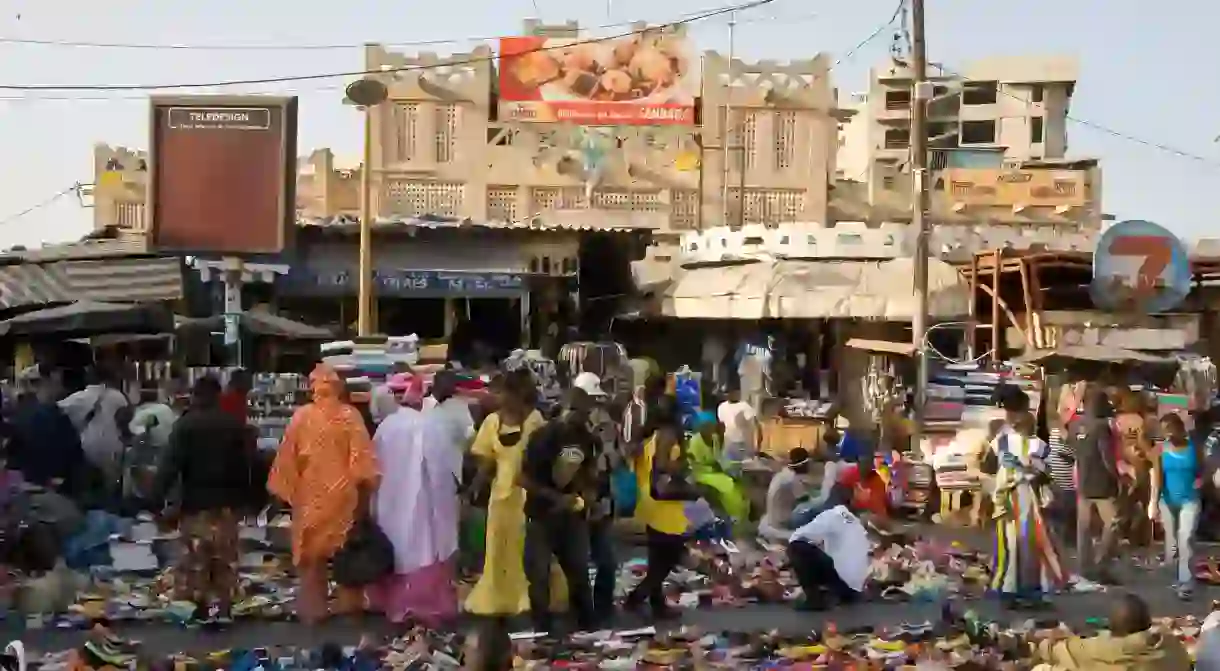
(1143, 74)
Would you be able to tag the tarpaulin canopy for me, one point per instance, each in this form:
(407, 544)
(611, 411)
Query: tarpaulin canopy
(88, 318)
(1097, 353)
(815, 289)
(262, 323)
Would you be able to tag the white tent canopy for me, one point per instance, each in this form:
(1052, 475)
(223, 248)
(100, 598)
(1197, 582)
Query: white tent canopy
(820, 289)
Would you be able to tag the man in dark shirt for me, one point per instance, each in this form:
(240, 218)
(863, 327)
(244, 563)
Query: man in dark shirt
(1093, 444)
(43, 443)
(559, 474)
(210, 456)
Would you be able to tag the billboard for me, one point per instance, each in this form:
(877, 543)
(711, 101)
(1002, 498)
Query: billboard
(647, 78)
(223, 174)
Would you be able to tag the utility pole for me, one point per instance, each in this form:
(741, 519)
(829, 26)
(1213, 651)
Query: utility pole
(922, 91)
(725, 119)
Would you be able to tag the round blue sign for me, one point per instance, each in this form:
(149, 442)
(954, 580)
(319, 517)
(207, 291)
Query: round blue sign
(1140, 266)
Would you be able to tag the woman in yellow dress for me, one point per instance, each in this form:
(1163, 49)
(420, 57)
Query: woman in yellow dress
(502, 590)
(664, 518)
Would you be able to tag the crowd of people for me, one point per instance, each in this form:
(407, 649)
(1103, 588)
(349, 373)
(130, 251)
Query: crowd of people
(424, 465)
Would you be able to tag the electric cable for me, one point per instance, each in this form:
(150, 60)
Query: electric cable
(382, 71)
(927, 346)
(75, 188)
(169, 46)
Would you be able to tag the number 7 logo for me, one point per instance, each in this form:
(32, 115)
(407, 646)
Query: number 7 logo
(1157, 252)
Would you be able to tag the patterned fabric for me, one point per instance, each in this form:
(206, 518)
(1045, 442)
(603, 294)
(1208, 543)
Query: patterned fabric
(1061, 463)
(209, 564)
(325, 458)
(1025, 561)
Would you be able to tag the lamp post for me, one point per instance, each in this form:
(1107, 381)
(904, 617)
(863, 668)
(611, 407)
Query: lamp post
(366, 94)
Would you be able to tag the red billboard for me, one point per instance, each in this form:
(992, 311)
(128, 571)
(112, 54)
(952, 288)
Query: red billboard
(222, 178)
(650, 78)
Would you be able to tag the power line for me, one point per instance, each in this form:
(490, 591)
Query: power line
(75, 188)
(34, 94)
(153, 46)
(382, 71)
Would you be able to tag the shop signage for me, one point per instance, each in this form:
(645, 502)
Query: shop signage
(997, 187)
(1140, 267)
(408, 283)
(644, 79)
(222, 174)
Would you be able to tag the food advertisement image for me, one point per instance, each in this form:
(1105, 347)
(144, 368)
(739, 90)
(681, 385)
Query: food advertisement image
(650, 78)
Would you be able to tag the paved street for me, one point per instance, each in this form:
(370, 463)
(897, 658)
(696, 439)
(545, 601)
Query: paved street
(1073, 608)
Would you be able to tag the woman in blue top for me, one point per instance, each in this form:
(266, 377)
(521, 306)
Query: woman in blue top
(1177, 470)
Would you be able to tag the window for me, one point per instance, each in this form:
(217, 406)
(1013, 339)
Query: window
(978, 132)
(1036, 92)
(979, 93)
(1036, 130)
(406, 120)
(446, 132)
(897, 138)
(897, 100)
(783, 140)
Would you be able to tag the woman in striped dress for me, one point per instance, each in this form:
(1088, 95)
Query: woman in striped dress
(1026, 565)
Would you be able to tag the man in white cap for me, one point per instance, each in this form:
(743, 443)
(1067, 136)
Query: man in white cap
(601, 516)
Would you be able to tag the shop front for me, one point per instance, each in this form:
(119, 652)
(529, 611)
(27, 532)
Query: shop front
(474, 288)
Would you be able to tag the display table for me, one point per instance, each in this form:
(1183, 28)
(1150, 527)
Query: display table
(781, 434)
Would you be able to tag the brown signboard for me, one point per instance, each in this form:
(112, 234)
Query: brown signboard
(223, 174)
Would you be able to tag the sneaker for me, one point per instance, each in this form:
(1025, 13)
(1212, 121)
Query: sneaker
(13, 658)
(1185, 592)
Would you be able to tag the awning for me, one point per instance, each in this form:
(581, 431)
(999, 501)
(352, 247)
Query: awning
(1096, 353)
(129, 280)
(261, 323)
(88, 318)
(816, 290)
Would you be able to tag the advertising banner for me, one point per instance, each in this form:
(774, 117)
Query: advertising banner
(223, 174)
(641, 79)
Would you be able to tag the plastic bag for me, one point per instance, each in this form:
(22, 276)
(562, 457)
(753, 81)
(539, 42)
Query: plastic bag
(365, 558)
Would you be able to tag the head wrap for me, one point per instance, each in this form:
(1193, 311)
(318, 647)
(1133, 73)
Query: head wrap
(325, 383)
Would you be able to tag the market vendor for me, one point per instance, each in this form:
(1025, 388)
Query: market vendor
(787, 487)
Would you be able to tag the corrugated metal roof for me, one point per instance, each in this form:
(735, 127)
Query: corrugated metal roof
(130, 280)
(83, 249)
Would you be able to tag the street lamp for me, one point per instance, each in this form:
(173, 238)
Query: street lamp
(366, 94)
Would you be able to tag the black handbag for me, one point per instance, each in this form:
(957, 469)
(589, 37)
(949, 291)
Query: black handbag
(366, 557)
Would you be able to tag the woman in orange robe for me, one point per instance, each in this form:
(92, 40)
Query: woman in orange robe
(325, 470)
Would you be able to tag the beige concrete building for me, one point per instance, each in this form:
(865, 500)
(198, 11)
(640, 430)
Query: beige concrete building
(326, 187)
(440, 149)
(997, 134)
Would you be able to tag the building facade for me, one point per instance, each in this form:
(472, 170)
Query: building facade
(762, 149)
(997, 135)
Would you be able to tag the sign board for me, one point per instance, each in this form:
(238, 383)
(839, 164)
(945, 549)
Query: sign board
(1140, 266)
(222, 178)
(645, 79)
(407, 283)
(998, 187)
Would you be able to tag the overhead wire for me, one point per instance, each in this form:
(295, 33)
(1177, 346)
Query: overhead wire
(75, 188)
(381, 71)
(169, 46)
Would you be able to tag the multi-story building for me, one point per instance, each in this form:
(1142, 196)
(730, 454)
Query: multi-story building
(997, 137)
(440, 148)
(762, 150)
